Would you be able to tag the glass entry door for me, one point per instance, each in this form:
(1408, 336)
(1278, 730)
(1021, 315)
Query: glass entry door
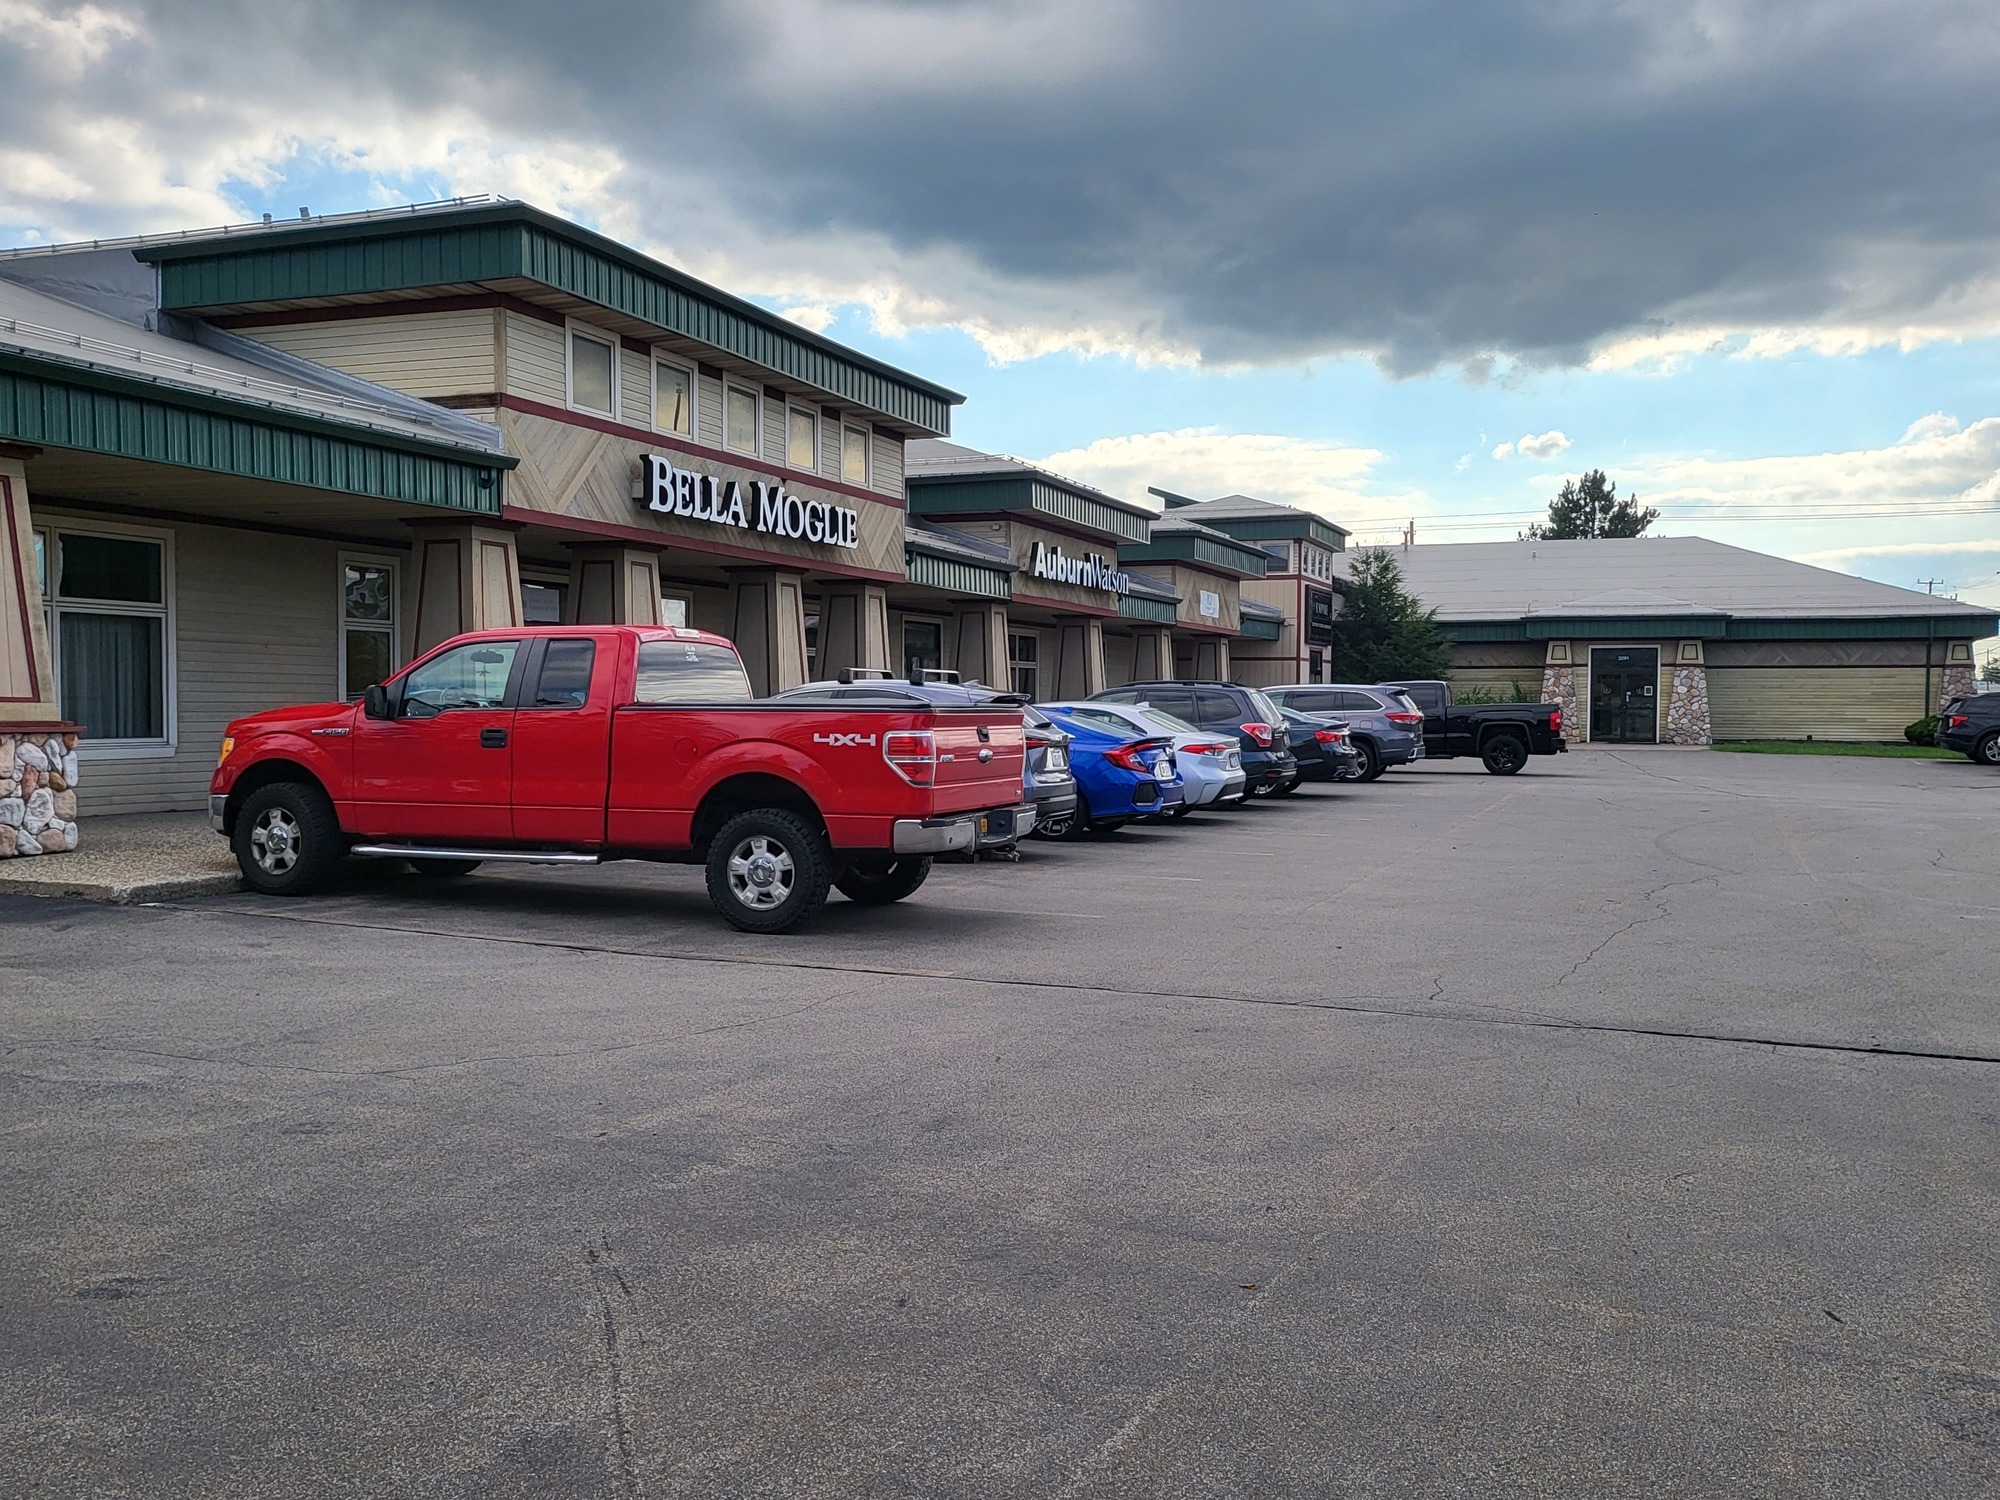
(1624, 694)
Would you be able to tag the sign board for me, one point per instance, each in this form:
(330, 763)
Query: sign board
(1089, 571)
(1319, 617)
(758, 505)
(1210, 605)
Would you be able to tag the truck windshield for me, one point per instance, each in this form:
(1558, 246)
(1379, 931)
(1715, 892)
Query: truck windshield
(690, 672)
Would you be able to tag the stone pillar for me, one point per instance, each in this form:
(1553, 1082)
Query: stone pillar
(767, 612)
(1153, 655)
(853, 628)
(1559, 688)
(1211, 658)
(37, 746)
(982, 646)
(610, 584)
(1079, 656)
(1958, 677)
(1686, 721)
(468, 578)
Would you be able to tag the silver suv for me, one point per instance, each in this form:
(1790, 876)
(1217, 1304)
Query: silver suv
(1388, 729)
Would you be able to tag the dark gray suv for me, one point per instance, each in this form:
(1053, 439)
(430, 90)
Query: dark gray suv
(1388, 729)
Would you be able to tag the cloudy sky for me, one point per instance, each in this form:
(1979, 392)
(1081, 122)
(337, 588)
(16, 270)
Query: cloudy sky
(1392, 259)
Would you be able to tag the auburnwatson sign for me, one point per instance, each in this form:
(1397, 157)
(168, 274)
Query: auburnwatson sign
(1090, 572)
(757, 506)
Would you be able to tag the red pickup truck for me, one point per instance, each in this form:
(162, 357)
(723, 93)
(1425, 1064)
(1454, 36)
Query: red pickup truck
(581, 744)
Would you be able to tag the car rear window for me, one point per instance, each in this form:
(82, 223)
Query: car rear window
(690, 672)
(1266, 710)
(1211, 708)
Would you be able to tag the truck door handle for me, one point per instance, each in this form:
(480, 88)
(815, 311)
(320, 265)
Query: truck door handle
(493, 739)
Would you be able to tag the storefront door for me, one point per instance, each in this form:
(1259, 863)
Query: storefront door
(1624, 687)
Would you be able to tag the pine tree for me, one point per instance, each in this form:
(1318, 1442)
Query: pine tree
(1383, 632)
(1590, 507)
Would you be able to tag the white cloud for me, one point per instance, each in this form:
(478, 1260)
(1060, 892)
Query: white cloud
(1548, 445)
(1504, 450)
(1833, 557)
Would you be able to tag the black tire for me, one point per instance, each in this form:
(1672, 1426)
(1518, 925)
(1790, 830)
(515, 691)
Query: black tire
(443, 869)
(1285, 788)
(287, 839)
(1069, 827)
(878, 879)
(1108, 825)
(1504, 754)
(768, 871)
(1371, 762)
(1987, 751)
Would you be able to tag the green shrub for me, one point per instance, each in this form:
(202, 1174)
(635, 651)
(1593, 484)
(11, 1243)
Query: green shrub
(1475, 694)
(1923, 732)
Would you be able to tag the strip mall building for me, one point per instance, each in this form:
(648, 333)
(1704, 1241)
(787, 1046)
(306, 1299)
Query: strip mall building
(270, 464)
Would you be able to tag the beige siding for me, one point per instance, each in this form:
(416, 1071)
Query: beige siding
(536, 360)
(773, 409)
(254, 627)
(708, 410)
(1827, 703)
(886, 472)
(427, 354)
(635, 388)
(829, 445)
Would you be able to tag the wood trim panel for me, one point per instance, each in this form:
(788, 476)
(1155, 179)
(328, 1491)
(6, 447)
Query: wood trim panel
(661, 541)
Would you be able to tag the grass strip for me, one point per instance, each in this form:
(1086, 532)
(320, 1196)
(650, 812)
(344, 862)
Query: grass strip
(1835, 747)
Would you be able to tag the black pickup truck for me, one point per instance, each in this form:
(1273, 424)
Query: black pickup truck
(1502, 735)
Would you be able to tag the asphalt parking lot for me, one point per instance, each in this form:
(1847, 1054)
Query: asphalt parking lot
(1626, 1128)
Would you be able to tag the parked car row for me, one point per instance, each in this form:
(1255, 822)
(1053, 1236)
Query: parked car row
(577, 745)
(1971, 726)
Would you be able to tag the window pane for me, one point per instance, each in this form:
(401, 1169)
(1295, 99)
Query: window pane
(690, 672)
(853, 455)
(110, 567)
(590, 365)
(802, 439)
(923, 646)
(673, 611)
(42, 563)
(113, 675)
(366, 595)
(368, 660)
(673, 399)
(472, 676)
(740, 420)
(565, 679)
(542, 603)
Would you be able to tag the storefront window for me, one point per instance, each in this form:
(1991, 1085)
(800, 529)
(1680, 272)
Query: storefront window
(739, 419)
(1023, 652)
(673, 609)
(593, 365)
(923, 646)
(367, 624)
(673, 398)
(542, 602)
(854, 455)
(801, 438)
(107, 624)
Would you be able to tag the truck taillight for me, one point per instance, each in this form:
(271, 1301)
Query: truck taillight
(1261, 733)
(1555, 721)
(1406, 720)
(912, 755)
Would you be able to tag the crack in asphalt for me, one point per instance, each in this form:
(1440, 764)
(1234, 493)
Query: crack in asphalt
(1347, 1005)
(1660, 915)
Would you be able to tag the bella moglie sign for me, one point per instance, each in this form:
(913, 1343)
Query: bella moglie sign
(753, 506)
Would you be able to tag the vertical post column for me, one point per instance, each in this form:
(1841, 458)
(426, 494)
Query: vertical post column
(767, 612)
(38, 768)
(1211, 658)
(468, 578)
(610, 584)
(853, 628)
(982, 645)
(1079, 656)
(1153, 655)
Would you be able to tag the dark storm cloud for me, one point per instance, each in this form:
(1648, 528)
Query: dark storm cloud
(1259, 181)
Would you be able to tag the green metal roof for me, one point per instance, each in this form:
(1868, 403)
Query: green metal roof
(1261, 630)
(56, 404)
(514, 242)
(1157, 611)
(1197, 545)
(1027, 494)
(956, 576)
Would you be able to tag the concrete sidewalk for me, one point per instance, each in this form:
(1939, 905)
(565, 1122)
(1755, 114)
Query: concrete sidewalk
(128, 859)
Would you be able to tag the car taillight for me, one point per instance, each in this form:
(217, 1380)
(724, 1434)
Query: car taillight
(1205, 749)
(1955, 720)
(912, 755)
(1328, 736)
(1261, 733)
(1555, 721)
(1128, 757)
(1406, 720)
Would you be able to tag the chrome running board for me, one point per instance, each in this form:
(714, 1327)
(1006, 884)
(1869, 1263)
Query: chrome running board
(497, 856)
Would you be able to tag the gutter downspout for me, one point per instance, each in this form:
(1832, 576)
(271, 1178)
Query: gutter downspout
(1930, 649)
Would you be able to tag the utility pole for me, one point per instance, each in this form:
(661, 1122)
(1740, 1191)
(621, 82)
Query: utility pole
(1930, 584)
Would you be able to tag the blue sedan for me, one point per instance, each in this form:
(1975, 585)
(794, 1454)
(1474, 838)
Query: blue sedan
(1119, 777)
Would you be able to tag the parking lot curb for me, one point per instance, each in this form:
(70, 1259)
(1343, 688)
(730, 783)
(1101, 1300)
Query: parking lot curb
(135, 894)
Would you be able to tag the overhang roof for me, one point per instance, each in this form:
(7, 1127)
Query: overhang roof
(1176, 539)
(1254, 520)
(948, 478)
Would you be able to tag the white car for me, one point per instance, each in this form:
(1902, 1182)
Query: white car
(1211, 764)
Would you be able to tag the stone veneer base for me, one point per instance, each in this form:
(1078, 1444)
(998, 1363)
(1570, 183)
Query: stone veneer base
(37, 793)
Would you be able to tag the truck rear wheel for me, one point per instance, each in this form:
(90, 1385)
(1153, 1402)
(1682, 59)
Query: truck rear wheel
(768, 871)
(287, 839)
(1504, 754)
(878, 879)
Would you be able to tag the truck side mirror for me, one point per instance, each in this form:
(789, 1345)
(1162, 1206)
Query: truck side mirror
(375, 701)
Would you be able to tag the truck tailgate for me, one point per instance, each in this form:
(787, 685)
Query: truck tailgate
(981, 755)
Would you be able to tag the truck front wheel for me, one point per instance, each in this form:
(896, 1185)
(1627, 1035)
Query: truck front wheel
(877, 879)
(768, 871)
(1504, 754)
(287, 839)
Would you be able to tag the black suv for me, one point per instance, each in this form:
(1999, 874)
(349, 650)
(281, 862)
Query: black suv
(1971, 726)
(1257, 722)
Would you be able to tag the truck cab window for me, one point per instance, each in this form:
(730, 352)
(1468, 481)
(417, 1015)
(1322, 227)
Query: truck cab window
(690, 672)
(564, 681)
(473, 676)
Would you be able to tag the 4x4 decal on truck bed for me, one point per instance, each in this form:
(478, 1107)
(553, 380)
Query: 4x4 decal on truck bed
(843, 741)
